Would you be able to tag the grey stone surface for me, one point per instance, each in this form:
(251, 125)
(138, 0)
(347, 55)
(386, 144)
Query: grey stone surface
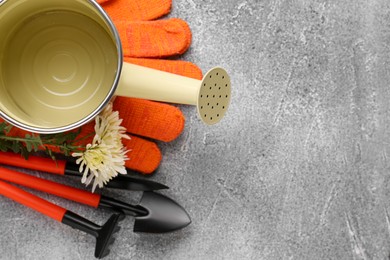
(299, 167)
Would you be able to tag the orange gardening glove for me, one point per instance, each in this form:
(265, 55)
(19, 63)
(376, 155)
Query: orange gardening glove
(145, 39)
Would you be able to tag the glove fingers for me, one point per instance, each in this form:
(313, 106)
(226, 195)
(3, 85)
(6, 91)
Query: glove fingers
(183, 68)
(160, 38)
(144, 156)
(150, 119)
(142, 10)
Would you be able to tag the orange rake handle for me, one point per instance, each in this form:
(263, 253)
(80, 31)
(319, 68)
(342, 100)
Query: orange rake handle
(103, 233)
(34, 163)
(45, 207)
(57, 189)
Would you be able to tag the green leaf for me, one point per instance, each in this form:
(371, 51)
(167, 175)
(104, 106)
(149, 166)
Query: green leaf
(35, 147)
(2, 127)
(29, 147)
(24, 152)
(8, 128)
(15, 147)
(5, 128)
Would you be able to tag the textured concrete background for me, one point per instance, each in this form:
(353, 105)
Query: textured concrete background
(298, 169)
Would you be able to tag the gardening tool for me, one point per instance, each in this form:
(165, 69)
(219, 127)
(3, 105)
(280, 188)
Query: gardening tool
(62, 167)
(61, 63)
(154, 214)
(103, 233)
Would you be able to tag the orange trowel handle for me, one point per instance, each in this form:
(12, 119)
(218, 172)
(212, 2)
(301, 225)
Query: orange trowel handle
(45, 207)
(60, 190)
(33, 163)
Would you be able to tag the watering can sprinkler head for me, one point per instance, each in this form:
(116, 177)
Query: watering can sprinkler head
(214, 96)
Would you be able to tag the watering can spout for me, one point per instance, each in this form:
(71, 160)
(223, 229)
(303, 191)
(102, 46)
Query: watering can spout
(211, 95)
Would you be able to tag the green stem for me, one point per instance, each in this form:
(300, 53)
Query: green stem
(19, 139)
(37, 140)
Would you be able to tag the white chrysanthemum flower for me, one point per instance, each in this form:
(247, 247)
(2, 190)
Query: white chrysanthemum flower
(105, 157)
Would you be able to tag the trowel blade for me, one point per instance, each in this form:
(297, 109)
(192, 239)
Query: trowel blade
(165, 215)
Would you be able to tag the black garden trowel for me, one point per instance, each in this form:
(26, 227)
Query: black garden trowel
(155, 213)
